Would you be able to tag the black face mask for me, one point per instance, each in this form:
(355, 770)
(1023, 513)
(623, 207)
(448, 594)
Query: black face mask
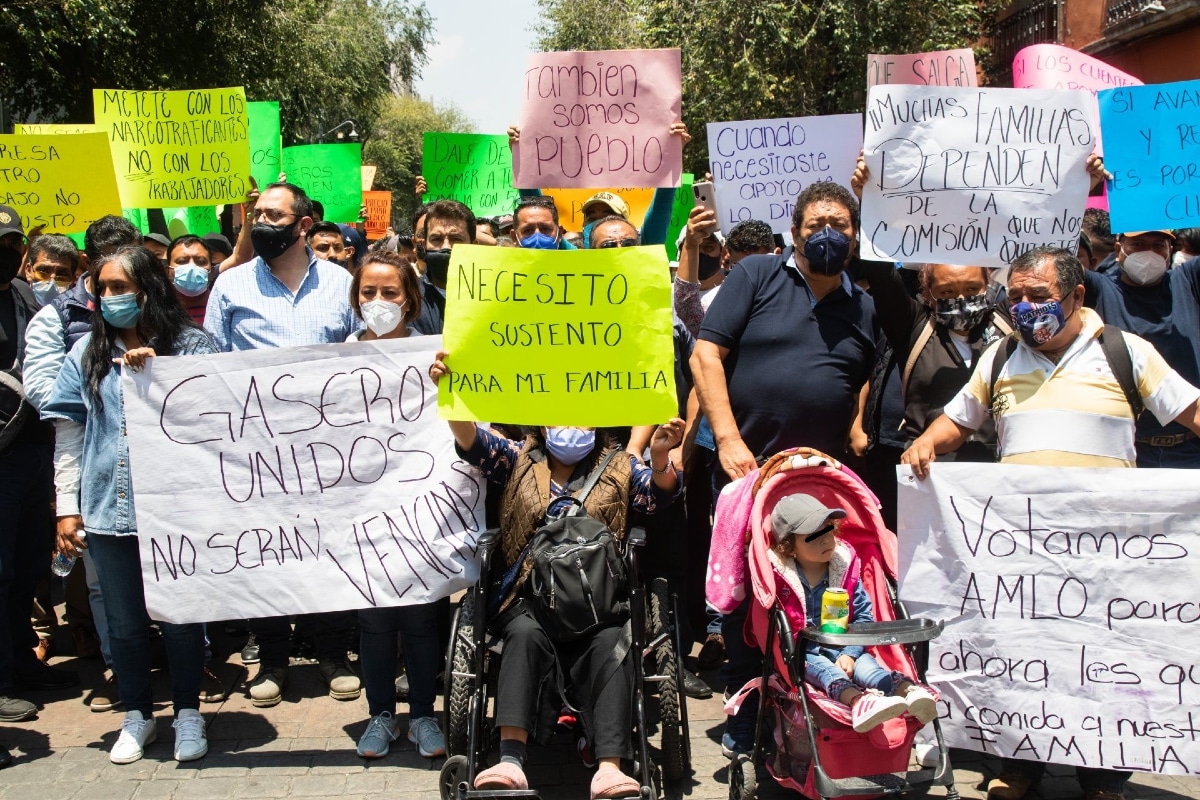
(709, 265)
(271, 241)
(437, 264)
(10, 263)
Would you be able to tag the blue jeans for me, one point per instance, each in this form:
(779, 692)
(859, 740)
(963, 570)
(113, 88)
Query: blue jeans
(743, 663)
(417, 626)
(829, 677)
(26, 540)
(1181, 456)
(119, 568)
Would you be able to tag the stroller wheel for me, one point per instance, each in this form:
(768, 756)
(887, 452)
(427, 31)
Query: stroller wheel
(743, 782)
(454, 772)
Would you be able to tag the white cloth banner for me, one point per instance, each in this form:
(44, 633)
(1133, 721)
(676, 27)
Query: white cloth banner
(760, 166)
(1071, 610)
(298, 480)
(974, 176)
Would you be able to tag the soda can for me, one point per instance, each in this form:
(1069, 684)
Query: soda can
(835, 611)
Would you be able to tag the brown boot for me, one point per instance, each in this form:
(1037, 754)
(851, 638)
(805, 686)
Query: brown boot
(1009, 786)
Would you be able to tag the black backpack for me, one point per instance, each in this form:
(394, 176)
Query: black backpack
(578, 584)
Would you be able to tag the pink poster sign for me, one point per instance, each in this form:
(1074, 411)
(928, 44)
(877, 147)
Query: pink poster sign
(940, 68)
(594, 119)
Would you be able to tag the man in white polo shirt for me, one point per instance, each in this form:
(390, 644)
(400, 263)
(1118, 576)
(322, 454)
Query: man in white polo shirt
(1058, 401)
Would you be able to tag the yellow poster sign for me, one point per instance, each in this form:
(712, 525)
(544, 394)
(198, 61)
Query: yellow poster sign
(63, 128)
(177, 149)
(549, 337)
(569, 203)
(60, 182)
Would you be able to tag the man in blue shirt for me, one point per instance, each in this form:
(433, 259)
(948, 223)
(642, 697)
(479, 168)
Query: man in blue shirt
(1163, 307)
(286, 297)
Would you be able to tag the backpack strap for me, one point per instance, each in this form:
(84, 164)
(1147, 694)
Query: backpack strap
(1003, 354)
(922, 339)
(592, 479)
(1112, 342)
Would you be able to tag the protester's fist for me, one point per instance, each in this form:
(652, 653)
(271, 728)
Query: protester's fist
(667, 437)
(919, 456)
(438, 369)
(514, 136)
(1096, 170)
(700, 225)
(736, 459)
(676, 129)
(69, 543)
(846, 665)
(422, 186)
(860, 177)
(135, 359)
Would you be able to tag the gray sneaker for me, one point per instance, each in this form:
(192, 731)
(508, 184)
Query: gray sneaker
(378, 737)
(427, 736)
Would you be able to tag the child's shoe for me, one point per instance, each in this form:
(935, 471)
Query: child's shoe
(921, 704)
(873, 709)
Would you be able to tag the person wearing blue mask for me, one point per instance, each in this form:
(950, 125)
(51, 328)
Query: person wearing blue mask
(140, 317)
(52, 265)
(537, 479)
(535, 225)
(190, 268)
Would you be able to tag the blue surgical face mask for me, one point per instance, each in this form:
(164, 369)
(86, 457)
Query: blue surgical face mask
(540, 241)
(569, 445)
(45, 291)
(191, 280)
(1038, 322)
(827, 251)
(121, 311)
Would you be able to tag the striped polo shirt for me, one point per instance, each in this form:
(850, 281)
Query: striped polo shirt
(1070, 414)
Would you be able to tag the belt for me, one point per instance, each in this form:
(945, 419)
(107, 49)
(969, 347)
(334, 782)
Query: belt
(1170, 440)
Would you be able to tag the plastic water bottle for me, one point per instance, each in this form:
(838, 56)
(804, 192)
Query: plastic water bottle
(61, 564)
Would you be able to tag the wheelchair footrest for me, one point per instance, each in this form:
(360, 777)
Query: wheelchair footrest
(499, 794)
(887, 783)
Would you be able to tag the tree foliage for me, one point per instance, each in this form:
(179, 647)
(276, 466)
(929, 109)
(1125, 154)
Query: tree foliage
(769, 58)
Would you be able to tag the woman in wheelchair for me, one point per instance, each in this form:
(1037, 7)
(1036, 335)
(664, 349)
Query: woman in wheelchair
(538, 478)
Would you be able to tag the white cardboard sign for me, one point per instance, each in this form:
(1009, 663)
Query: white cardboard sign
(298, 480)
(1073, 627)
(974, 176)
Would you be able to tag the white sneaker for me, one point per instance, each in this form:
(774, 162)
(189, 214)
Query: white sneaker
(136, 732)
(190, 741)
(921, 704)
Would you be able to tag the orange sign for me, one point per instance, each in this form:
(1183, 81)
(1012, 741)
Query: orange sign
(379, 213)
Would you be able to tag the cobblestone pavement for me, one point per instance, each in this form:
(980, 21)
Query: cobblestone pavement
(304, 747)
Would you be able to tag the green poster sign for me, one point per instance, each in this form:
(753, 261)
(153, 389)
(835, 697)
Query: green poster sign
(679, 214)
(266, 161)
(331, 174)
(473, 168)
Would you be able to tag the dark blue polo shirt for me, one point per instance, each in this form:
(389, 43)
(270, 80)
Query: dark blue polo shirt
(794, 368)
(1167, 315)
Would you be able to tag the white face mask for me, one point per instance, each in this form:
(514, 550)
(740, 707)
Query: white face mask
(1180, 258)
(382, 316)
(1144, 267)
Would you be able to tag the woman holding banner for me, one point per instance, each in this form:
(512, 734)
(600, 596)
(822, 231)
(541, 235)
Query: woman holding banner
(386, 296)
(538, 480)
(139, 317)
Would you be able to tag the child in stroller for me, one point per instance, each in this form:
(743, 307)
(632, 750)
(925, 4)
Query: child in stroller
(811, 558)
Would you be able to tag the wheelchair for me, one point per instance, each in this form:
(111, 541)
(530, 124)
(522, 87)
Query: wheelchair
(472, 670)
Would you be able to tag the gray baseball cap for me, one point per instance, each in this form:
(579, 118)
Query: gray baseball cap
(801, 514)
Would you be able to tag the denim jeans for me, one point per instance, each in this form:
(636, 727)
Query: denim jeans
(829, 677)
(417, 626)
(743, 663)
(274, 636)
(96, 601)
(119, 567)
(26, 541)
(1091, 779)
(1181, 456)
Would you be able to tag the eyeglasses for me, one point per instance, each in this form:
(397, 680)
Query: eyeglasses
(618, 243)
(273, 215)
(48, 274)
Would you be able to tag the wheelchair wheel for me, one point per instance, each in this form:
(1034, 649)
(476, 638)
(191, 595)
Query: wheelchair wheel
(454, 772)
(666, 660)
(743, 782)
(460, 663)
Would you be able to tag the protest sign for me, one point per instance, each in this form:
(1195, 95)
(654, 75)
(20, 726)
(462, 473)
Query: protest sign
(760, 166)
(196, 220)
(1068, 597)
(368, 177)
(472, 168)
(974, 176)
(317, 479)
(53, 128)
(331, 174)
(600, 118)
(1052, 66)
(684, 202)
(266, 143)
(1153, 134)
(179, 148)
(543, 337)
(63, 183)
(569, 203)
(379, 213)
(939, 68)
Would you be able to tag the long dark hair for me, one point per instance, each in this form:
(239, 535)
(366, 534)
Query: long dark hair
(162, 322)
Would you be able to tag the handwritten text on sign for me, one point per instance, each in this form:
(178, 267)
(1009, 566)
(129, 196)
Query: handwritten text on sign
(63, 182)
(472, 168)
(179, 148)
(331, 174)
(760, 166)
(600, 118)
(974, 176)
(543, 337)
(318, 479)
(940, 68)
(1071, 609)
(1153, 135)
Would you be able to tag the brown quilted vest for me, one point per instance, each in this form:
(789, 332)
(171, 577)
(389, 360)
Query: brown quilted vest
(527, 496)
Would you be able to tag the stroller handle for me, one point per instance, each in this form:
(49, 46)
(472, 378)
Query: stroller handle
(866, 634)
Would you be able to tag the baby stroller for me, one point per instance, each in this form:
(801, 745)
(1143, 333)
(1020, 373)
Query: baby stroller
(812, 747)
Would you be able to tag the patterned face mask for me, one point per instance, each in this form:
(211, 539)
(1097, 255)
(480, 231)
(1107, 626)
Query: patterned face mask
(962, 314)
